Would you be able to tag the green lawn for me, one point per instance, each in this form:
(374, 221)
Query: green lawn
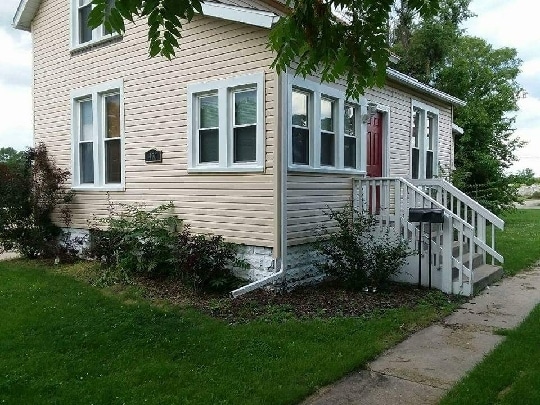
(65, 342)
(509, 375)
(519, 243)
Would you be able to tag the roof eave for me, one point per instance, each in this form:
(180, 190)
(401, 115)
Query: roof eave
(424, 88)
(25, 14)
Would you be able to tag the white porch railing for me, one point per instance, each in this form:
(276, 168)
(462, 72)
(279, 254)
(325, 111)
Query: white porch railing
(479, 217)
(452, 245)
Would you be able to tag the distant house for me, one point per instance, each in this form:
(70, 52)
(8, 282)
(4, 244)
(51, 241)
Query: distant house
(247, 153)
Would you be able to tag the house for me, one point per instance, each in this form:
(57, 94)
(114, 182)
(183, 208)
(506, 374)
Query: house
(246, 153)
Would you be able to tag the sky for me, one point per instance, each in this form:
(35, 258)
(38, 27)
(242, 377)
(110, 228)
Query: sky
(500, 22)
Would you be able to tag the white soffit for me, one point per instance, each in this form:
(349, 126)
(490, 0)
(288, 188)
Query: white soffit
(27, 10)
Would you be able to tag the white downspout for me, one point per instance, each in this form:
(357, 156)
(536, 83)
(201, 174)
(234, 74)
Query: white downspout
(282, 146)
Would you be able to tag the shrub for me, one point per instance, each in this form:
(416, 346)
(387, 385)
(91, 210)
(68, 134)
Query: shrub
(135, 240)
(206, 261)
(359, 254)
(31, 189)
(155, 243)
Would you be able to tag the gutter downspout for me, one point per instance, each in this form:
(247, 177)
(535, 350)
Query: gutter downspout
(281, 160)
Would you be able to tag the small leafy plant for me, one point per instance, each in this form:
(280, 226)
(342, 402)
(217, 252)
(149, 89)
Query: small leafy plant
(205, 261)
(134, 239)
(156, 243)
(358, 253)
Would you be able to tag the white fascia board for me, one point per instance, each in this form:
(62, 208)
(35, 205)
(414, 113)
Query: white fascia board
(423, 88)
(25, 14)
(248, 16)
(457, 129)
(27, 9)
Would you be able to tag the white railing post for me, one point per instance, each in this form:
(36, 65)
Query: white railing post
(397, 206)
(482, 234)
(356, 194)
(448, 237)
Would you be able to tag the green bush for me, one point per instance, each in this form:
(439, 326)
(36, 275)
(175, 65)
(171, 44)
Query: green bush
(31, 189)
(156, 243)
(205, 261)
(135, 240)
(359, 254)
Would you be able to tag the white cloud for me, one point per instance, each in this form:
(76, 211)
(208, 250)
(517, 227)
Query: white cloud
(15, 88)
(15, 117)
(506, 23)
(531, 67)
(528, 130)
(513, 24)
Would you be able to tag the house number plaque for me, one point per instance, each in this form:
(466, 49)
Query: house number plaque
(153, 156)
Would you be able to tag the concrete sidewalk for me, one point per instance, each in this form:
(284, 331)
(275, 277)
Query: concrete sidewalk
(422, 368)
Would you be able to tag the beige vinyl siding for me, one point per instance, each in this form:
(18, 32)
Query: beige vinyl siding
(239, 206)
(308, 198)
(309, 195)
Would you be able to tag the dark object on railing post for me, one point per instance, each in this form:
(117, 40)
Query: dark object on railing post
(431, 216)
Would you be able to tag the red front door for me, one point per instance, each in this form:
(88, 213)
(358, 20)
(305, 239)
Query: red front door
(374, 160)
(375, 146)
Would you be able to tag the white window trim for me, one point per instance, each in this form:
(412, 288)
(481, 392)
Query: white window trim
(224, 88)
(94, 93)
(98, 35)
(425, 110)
(318, 90)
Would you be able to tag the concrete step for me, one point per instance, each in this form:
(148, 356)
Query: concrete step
(485, 275)
(455, 248)
(477, 261)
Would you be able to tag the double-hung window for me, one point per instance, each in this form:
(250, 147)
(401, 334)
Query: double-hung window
(226, 124)
(350, 136)
(328, 133)
(300, 127)
(415, 144)
(424, 139)
(81, 33)
(324, 128)
(208, 128)
(244, 125)
(97, 126)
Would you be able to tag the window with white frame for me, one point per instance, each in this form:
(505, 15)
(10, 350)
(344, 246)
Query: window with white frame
(226, 124)
(300, 127)
(350, 136)
(328, 133)
(424, 139)
(81, 33)
(97, 123)
(324, 128)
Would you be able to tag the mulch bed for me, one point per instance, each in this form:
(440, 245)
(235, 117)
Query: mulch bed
(324, 300)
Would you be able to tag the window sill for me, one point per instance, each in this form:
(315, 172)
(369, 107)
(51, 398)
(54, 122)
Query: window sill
(326, 170)
(76, 49)
(236, 169)
(119, 187)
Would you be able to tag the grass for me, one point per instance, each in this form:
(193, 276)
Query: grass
(63, 341)
(509, 375)
(519, 243)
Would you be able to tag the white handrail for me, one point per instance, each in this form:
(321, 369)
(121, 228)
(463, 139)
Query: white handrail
(413, 196)
(464, 198)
